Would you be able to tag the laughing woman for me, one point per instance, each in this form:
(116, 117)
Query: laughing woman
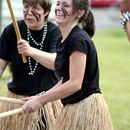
(39, 45)
(77, 62)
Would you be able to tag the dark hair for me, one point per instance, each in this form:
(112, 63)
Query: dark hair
(87, 20)
(45, 4)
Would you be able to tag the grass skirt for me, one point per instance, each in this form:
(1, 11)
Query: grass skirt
(34, 121)
(89, 114)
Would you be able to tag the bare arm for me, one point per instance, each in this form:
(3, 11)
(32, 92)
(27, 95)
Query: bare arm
(77, 69)
(44, 58)
(125, 7)
(74, 84)
(128, 29)
(3, 64)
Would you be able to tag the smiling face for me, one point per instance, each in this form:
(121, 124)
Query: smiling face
(64, 12)
(34, 16)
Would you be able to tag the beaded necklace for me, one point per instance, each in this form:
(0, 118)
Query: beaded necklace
(29, 37)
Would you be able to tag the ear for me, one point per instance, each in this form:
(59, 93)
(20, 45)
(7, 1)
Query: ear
(80, 13)
(45, 14)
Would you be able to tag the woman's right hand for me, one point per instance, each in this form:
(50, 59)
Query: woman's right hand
(24, 48)
(32, 104)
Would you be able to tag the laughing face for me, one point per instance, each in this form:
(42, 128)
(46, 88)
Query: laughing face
(64, 11)
(34, 16)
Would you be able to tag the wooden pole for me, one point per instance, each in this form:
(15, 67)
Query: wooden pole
(15, 26)
(11, 100)
(10, 113)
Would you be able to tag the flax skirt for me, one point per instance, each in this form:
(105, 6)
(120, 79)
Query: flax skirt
(44, 119)
(89, 114)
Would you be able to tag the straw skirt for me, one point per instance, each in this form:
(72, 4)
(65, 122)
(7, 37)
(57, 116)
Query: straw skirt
(89, 114)
(44, 119)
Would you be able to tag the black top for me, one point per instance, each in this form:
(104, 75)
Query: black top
(78, 40)
(22, 83)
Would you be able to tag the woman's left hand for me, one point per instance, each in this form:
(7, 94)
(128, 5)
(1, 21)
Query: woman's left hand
(32, 104)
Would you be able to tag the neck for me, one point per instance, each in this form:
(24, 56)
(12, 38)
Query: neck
(38, 27)
(65, 30)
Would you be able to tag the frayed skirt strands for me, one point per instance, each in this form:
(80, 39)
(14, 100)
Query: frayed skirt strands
(44, 119)
(89, 114)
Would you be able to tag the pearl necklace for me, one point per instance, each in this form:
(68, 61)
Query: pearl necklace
(29, 37)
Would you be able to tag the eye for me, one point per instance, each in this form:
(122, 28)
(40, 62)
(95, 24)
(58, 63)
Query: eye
(25, 6)
(65, 5)
(35, 8)
(58, 3)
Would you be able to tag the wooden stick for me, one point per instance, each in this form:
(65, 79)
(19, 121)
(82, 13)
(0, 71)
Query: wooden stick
(11, 100)
(10, 113)
(15, 26)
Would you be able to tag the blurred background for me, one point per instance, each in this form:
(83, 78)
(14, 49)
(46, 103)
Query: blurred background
(113, 52)
(105, 11)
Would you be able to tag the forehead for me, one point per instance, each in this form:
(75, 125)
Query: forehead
(33, 5)
(65, 1)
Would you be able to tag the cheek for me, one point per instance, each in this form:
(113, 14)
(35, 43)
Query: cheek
(25, 12)
(36, 15)
(65, 12)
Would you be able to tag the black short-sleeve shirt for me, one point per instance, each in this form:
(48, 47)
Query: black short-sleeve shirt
(78, 40)
(23, 83)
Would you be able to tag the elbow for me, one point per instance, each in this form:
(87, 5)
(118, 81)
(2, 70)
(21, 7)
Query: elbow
(77, 86)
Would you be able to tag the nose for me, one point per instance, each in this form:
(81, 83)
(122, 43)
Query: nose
(58, 8)
(30, 10)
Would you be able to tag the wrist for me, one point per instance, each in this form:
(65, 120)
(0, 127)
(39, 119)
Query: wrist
(41, 97)
(124, 19)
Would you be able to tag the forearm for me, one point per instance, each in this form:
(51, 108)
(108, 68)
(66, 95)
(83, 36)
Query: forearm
(3, 65)
(1, 72)
(128, 29)
(66, 89)
(44, 58)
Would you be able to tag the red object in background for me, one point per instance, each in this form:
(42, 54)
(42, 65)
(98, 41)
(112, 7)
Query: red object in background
(104, 3)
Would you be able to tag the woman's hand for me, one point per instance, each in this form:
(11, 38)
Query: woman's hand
(124, 6)
(24, 48)
(32, 104)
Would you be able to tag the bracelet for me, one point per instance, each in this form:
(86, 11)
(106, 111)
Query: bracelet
(124, 18)
(39, 94)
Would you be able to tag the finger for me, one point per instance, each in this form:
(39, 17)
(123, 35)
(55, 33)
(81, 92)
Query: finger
(26, 98)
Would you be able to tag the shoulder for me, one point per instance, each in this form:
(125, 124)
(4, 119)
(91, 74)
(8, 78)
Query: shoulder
(21, 24)
(78, 33)
(10, 27)
(52, 27)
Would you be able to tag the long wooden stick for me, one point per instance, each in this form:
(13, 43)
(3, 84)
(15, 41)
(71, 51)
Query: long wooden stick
(11, 100)
(10, 113)
(15, 26)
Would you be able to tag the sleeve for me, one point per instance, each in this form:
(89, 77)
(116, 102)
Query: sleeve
(5, 44)
(55, 35)
(78, 44)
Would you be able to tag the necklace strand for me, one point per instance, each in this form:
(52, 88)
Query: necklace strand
(29, 37)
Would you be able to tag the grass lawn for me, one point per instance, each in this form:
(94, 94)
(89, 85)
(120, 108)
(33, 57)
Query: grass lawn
(114, 61)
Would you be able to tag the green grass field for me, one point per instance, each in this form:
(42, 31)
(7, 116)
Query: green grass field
(114, 61)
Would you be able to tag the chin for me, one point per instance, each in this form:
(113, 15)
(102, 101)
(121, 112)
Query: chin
(59, 21)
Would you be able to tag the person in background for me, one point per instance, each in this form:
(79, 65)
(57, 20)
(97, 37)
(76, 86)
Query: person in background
(125, 18)
(77, 62)
(38, 44)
